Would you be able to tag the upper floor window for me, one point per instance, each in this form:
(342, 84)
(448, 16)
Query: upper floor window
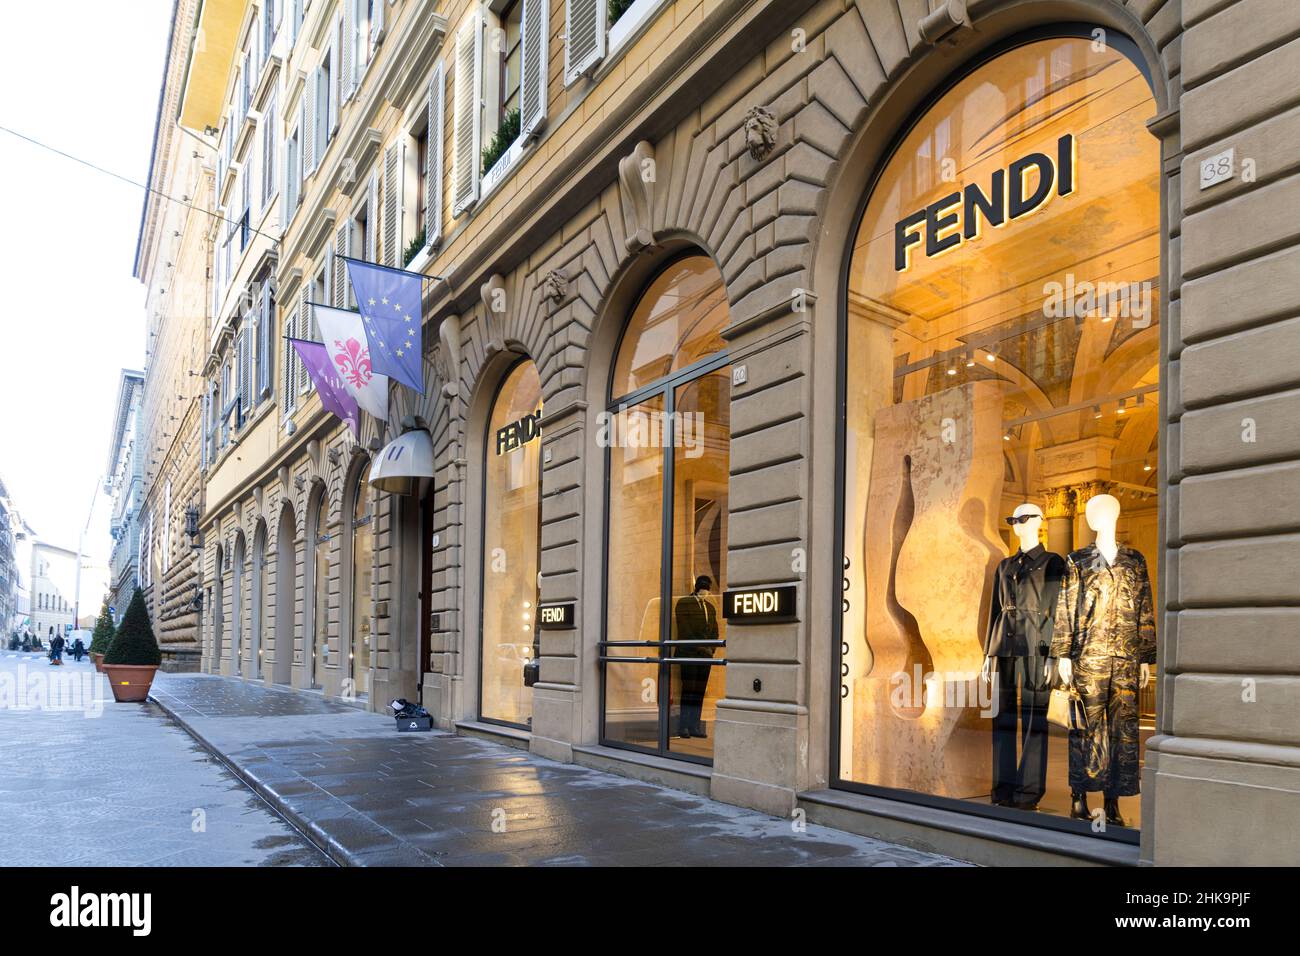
(511, 52)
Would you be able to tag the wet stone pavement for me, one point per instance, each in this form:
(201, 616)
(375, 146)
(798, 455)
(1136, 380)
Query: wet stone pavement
(97, 783)
(368, 795)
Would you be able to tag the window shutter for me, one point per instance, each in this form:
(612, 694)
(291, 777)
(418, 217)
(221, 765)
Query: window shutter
(584, 36)
(377, 23)
(268, 152)
(433, 157)
(336, 77)
(288, 373)
(265, 349)
(391, 172)
(348, 49)
(536, 26)
(339, 279)
(372, 218)
(469, 115)
(307, 332)
(307, 124)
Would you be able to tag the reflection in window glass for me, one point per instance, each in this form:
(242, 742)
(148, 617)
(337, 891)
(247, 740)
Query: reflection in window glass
(320, 593)
(511, 547)
(678, 321)
(701, 474)
(362, 573)
(636, 502)
(1002, 361)
(659, 697)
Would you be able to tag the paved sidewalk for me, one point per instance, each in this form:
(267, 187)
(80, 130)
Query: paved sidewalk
(370, 796)
(85, 781)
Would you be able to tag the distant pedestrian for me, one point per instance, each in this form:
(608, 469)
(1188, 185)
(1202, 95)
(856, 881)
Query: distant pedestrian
(27, 643)
(78, 650)
(56, 649)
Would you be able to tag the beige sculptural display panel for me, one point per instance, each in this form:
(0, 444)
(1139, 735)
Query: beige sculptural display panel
(1001, 350)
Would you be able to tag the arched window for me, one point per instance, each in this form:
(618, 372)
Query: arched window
(363, 604)
(320, 591)
(512, 469)
(1001, 362)
(668, 432)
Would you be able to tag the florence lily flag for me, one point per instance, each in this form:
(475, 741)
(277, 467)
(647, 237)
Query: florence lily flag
(345, 340)
(390, 304)
(328, 385)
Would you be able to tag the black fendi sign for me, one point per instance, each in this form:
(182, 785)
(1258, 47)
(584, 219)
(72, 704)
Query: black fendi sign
(512, 436)
(555, 616)
(759, 605)
(958, 216)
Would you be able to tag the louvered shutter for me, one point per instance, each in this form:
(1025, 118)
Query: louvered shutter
(268, 152)
(433, 157)
(536, 26)
(305, 331)
(468, 115)
(391, 209)
(288, 373)
(336, 76)
(339, 277)
(306, 125)
(584, 36)
(372, 218)
(348, 49)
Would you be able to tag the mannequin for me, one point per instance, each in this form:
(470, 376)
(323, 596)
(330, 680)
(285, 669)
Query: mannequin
(1104, 643)
(1021, 617)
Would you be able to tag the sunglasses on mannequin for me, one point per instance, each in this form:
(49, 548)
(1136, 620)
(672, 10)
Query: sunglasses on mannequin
(1014, 520)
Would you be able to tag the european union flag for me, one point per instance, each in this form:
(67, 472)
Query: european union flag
(390, 304)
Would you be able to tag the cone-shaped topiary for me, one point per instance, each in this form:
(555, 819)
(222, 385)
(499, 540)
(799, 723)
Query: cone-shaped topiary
(134, 642)
(103, 631)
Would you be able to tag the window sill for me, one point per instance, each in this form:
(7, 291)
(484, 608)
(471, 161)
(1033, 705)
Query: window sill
(629, 28)
(500, 172)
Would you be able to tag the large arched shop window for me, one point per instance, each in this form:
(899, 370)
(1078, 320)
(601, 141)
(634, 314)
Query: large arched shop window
(320, 648)
(1001, 358)
(362, 573)
(511, 547)
(668, 431)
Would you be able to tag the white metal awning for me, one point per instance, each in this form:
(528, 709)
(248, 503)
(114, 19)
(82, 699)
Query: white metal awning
(405, 465)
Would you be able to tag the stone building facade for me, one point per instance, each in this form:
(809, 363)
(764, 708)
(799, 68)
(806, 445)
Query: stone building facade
(173, 254)
(678, 223)
(124, 482)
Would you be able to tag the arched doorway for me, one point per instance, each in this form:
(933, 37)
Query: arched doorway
(257, 599)
(237, 606)
(286, 573)
(1000, 352)
(667, 430)
(512, 468)
(318, 536)
(218, 600)
(363, 604)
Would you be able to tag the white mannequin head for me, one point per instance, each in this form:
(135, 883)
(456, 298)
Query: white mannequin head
(1027, 531)
(1102, 513)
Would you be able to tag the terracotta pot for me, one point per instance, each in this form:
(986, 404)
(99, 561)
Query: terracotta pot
(99, 662)
(130, 682)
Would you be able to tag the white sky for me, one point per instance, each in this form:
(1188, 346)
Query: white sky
(83, 76)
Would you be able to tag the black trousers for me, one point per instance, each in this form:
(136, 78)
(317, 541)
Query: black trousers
(1020, 729)
(695, 680)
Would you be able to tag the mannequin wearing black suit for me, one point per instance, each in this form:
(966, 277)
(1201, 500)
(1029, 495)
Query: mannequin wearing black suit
(1021, 615)
(697, 620)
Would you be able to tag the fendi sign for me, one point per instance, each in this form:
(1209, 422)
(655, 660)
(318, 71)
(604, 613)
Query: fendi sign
(555, 616)
(759, 605)
(957, 217)
(516, 434)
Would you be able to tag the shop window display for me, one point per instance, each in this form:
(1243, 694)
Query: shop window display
(668, 432)
(511, 547)
(363, 604)
(1000, 484)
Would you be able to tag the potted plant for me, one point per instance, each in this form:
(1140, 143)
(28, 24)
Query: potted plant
(102, 635)
(132, 657)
